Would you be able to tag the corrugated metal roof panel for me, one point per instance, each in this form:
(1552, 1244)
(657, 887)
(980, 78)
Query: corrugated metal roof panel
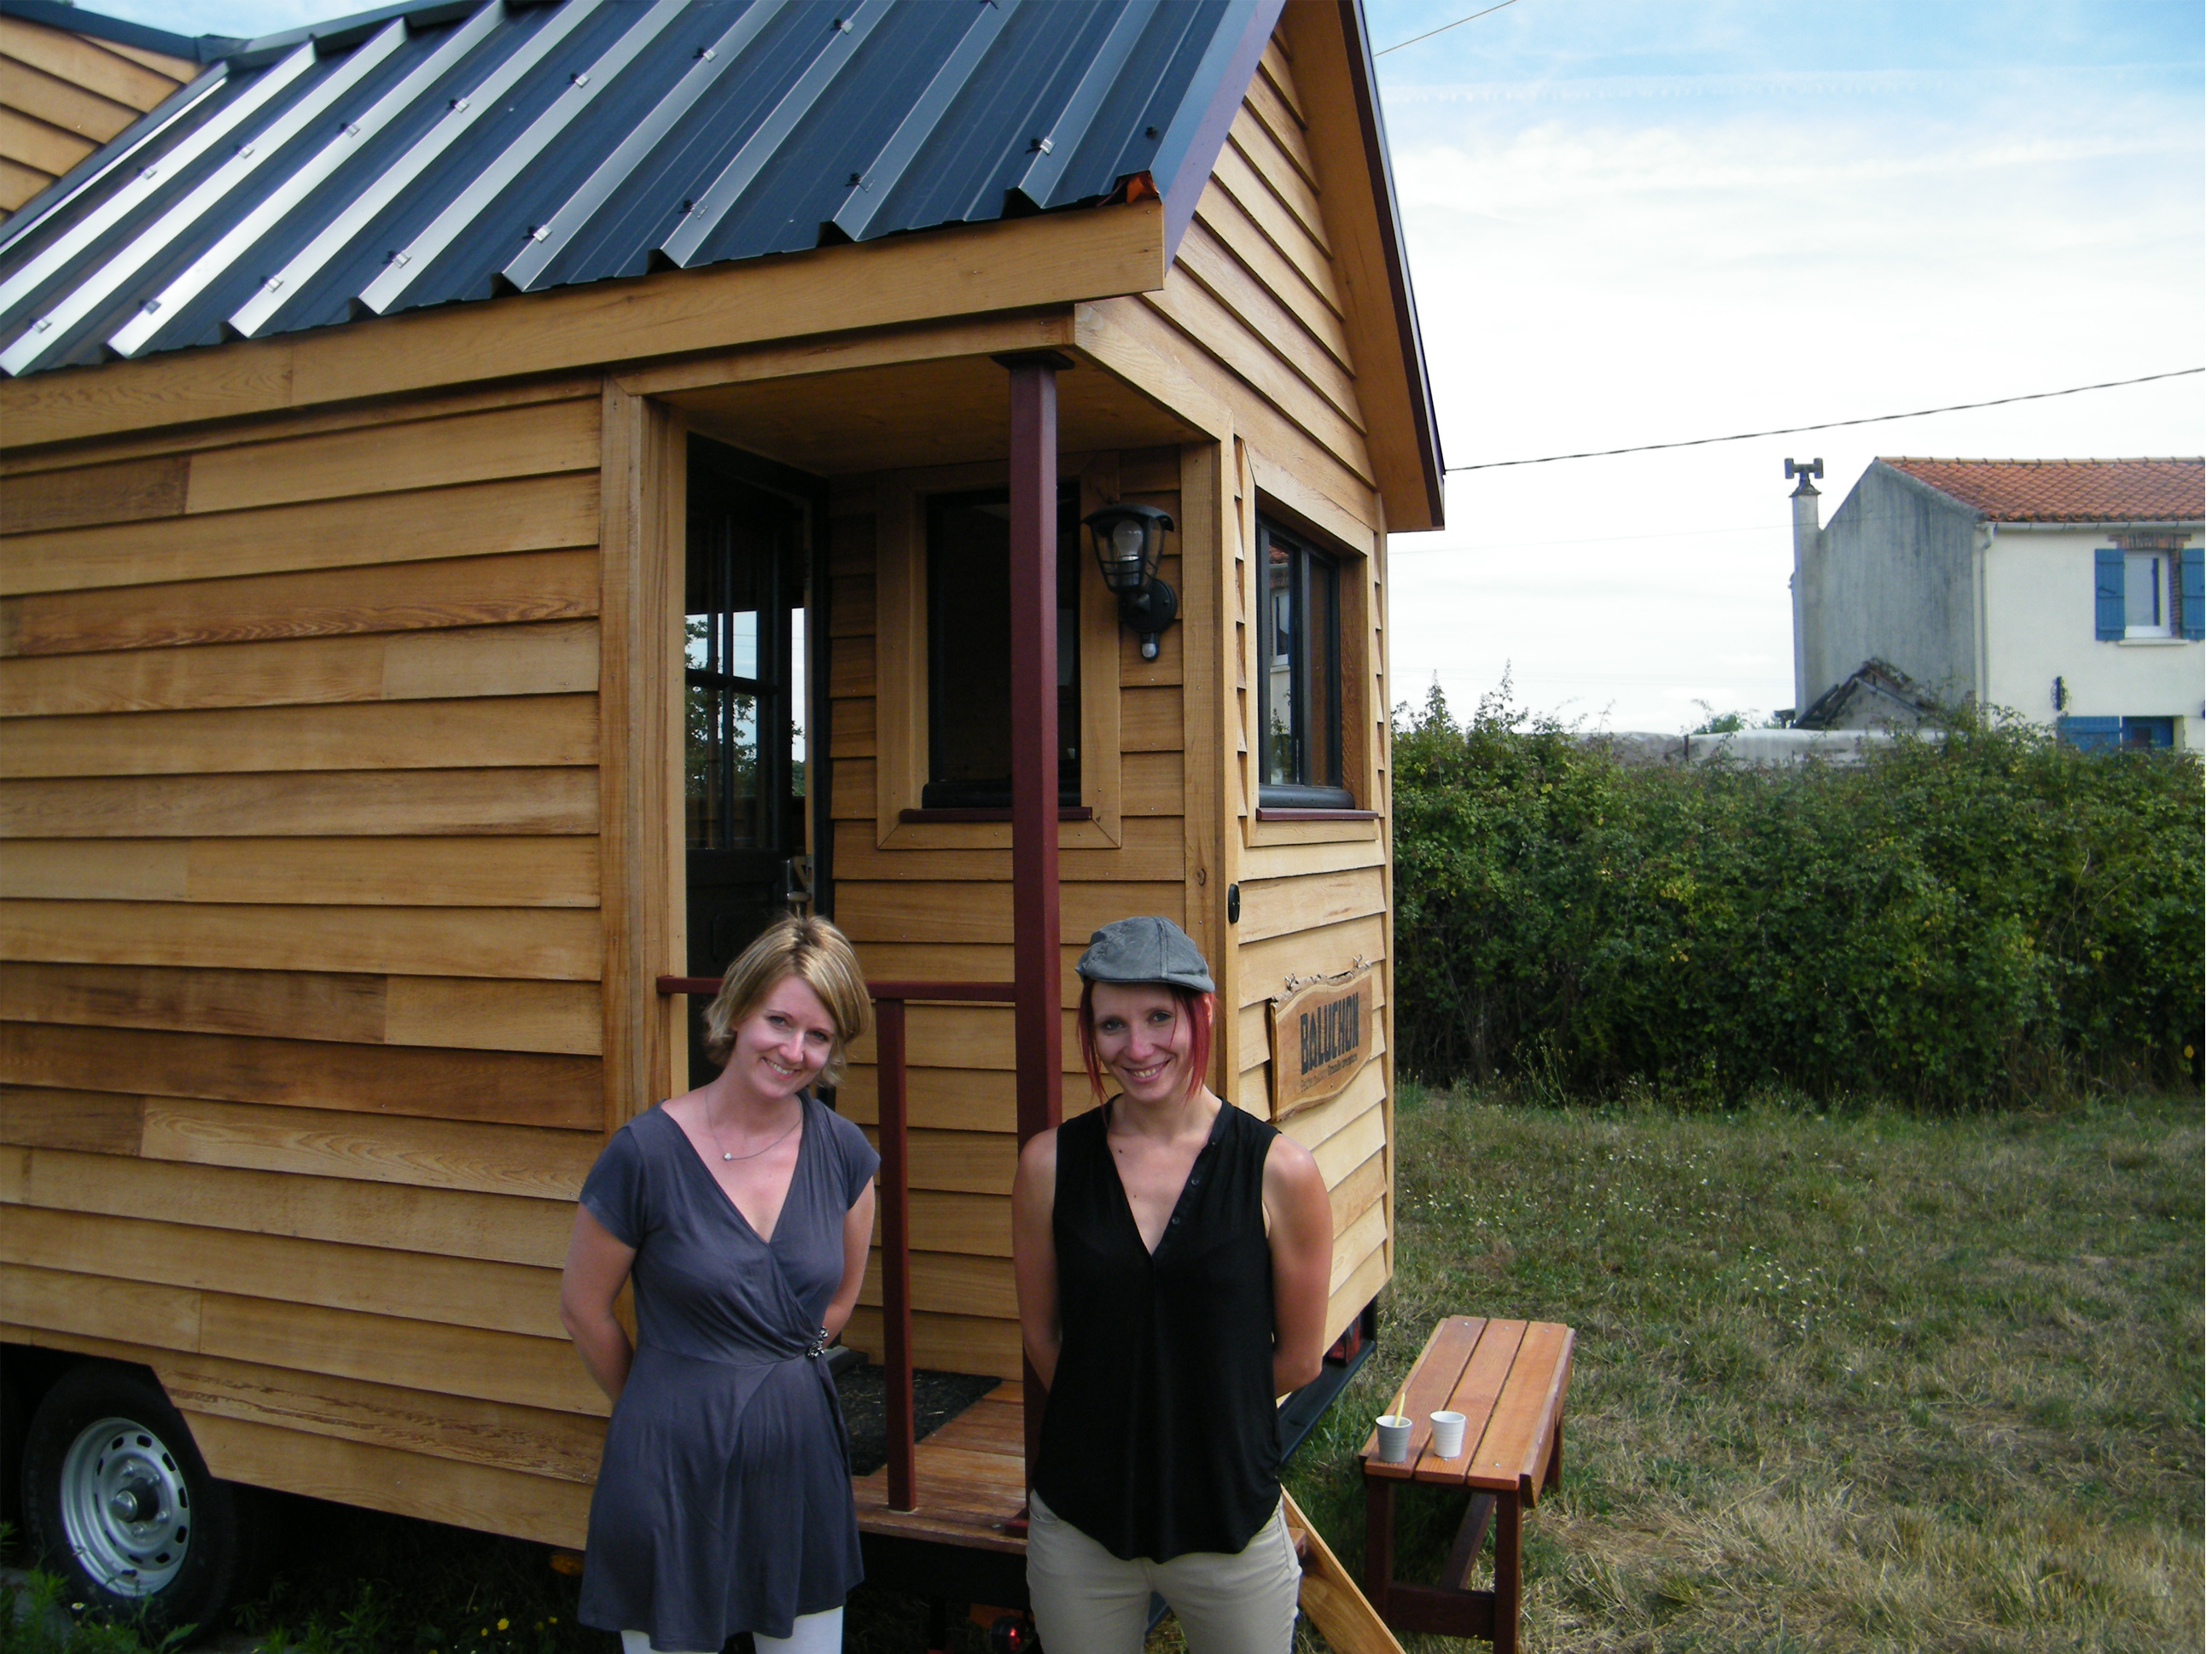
(456, 151)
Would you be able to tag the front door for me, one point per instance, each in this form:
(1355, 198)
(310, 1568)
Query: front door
(747, 544)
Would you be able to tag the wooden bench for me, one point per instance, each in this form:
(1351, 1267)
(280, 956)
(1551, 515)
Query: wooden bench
(1509, 1378)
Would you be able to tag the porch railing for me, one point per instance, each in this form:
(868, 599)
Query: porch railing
(894, 1204)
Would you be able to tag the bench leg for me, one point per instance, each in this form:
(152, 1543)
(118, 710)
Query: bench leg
(1505, 1599)
(1381, 1519)
(1553, 1466)
(1459, 1566)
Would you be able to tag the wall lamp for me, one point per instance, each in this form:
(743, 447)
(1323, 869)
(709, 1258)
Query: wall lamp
(1126, 537)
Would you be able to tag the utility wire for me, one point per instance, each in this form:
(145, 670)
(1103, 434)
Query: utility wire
(1485, 12)
(1831, 425)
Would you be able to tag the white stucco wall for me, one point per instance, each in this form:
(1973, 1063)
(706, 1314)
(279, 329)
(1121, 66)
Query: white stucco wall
(2040, 607)
(1891, 578)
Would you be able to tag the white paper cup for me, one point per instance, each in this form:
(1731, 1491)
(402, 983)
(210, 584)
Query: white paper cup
(1393, 1437)
(1447, 1434)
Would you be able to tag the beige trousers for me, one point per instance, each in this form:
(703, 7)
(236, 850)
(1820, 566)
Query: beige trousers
(1088, 1600)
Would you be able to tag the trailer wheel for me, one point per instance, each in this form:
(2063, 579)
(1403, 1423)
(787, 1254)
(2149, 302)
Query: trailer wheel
(119, 1499)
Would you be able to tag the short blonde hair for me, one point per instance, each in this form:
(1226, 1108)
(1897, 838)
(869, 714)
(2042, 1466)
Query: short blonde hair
(814, 951)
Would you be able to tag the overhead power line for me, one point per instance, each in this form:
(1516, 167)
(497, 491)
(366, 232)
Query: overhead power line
(1469, 18)
(1830, 425)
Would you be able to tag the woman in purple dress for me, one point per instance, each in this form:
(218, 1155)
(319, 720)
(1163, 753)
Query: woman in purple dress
(740, 1214)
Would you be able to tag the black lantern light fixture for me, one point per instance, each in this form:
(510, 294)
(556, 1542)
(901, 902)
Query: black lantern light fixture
(1126, 537)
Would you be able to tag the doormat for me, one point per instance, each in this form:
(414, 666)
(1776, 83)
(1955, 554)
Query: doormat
(937, 1397)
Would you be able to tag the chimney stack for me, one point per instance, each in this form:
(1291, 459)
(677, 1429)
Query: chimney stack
(1805, 531)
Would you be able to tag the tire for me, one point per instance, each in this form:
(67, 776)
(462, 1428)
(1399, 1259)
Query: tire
(118, 1500)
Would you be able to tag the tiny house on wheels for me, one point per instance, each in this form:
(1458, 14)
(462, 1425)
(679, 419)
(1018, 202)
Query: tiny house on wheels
(496, 498)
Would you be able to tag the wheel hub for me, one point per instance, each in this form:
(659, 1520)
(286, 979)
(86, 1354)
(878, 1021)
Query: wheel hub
(126, 1507)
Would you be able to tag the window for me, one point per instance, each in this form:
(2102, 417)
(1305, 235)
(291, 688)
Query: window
(2150, 585)
(2147, 609)
(971, 736)
(1302, 734)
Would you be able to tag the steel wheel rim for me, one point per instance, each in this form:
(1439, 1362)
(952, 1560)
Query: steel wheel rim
(126, 1507)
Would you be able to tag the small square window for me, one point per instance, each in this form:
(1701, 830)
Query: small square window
(1301, 738)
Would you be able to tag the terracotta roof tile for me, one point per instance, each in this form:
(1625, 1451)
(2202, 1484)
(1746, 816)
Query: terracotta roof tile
(2068, 490)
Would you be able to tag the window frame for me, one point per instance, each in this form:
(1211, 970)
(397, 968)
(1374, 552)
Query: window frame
(2163, 567)
(899, 502)
(1331, 797)
(1291, 505)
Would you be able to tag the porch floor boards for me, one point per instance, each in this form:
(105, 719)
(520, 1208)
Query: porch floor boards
(967, 1480)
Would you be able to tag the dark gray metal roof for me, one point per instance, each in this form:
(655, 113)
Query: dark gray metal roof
(434, 153)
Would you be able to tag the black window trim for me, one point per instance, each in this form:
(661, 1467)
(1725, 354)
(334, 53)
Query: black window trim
(1309, 799)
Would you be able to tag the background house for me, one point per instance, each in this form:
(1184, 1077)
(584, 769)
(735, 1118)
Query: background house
(2071, 591)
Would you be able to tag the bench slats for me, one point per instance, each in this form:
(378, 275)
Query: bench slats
(1517, 1444)
(1442, 1360)
(1476, 1395)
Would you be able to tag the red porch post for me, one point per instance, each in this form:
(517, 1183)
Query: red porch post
(1033, 495)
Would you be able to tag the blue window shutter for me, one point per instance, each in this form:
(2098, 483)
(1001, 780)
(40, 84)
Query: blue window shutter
(2090, 734)
(2192, 591)
(2112, 592)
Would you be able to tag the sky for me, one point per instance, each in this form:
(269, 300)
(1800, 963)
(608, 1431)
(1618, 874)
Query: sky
(1636, 222)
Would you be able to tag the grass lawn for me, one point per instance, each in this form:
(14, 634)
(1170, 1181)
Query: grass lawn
(1856, 1381)
(1860, 1381)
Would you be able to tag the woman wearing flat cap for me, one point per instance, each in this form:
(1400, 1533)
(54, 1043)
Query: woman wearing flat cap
(1171, 1255)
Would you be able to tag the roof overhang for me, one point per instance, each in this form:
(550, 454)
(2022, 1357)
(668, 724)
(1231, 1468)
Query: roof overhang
(1336, 71)
(927, 277)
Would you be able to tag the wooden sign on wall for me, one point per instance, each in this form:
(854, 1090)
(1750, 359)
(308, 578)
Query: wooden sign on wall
(1320, 1037)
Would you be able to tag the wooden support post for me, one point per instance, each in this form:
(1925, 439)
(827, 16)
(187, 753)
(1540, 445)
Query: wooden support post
(898, 1316)
(1033, 494)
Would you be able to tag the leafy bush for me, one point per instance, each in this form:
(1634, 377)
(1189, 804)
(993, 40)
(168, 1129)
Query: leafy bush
(1975, 919)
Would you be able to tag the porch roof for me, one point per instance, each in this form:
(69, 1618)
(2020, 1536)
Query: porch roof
(434, 153)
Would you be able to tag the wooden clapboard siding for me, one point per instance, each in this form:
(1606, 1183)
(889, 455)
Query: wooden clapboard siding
(473, 520)
(424, 1355)
(436, 1011)
(539, 1162)
(61, 93)
(516, 731)
(519, 586)
(547, 943)
(548, 1509)
(950, 1343)
(329, 804)
(557, 657)
(455, 1223)
(460, 1291)
(1308, 901)
(542, 1163)
(537, 1440)
(301, 768)
(520, 1088)
(949, 1283)
(431, 871)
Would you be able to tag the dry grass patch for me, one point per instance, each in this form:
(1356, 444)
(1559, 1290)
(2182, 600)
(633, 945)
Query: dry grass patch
(1867, 1381)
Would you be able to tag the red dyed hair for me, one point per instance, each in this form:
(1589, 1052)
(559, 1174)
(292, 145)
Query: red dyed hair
(1191, 1002)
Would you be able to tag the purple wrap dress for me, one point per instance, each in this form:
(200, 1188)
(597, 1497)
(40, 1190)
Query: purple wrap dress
(725, 1499)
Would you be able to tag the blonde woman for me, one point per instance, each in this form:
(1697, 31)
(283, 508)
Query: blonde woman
(740, 1214)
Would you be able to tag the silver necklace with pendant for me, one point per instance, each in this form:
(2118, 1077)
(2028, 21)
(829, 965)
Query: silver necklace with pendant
(762, 1149)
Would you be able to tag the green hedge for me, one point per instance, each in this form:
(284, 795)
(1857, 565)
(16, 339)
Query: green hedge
(1978, 920)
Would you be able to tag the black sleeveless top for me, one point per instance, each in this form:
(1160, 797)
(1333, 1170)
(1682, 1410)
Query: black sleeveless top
(1160, 1433)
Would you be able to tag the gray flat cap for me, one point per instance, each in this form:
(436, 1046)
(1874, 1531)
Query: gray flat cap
(1144, 950)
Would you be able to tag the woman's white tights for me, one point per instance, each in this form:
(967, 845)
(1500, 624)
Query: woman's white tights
(810, 1633)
